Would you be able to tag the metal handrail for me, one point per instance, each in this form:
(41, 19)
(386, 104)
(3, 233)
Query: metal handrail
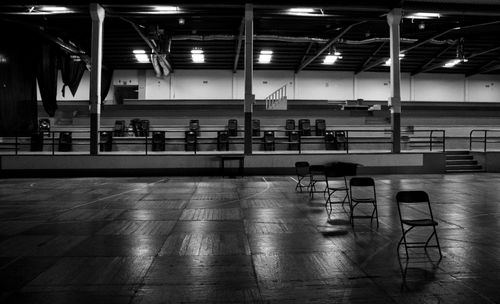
(275, 96)
(484, 138)
(350, 139)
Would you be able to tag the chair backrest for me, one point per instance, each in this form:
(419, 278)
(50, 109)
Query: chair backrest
(412, 197)
(302, 168)
(341, 169)
(320, 127)
(362, 182)
(269, 136)
(294, 136)
(418, 203)
(317, 170)
(290, 124)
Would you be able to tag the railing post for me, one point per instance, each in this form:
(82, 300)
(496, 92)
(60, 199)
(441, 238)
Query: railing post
(485, 139)
(470, 140)
(430, 139)
(347, 141)
(53, 142)
(16, 144)
(146, 140)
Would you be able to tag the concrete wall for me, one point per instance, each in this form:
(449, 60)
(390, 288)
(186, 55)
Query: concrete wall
(309, 85)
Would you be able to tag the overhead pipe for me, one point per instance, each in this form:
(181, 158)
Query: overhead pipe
(162, 59)
(328, 45)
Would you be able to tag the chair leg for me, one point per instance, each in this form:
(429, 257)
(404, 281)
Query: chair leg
(437, 242)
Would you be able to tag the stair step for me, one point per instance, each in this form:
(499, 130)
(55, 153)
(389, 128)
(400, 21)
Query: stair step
(463, 171)
(457, 152)
(461, 162)
(463, 167)
(459, 157)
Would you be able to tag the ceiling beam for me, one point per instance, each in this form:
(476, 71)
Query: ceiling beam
(485, 68)
(327, 46)
(238, 47)
(365, 63)
(148, 42)
(421, 68)
(435, 66)
(308, 49)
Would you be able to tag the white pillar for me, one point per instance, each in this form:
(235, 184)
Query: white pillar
(394, 18)
(97, 15)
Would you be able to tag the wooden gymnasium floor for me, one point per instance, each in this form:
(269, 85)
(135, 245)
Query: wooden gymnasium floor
(251, 239)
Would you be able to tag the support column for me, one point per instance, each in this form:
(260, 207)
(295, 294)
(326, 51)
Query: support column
(394, 18)
(97, 15)
(249, 97)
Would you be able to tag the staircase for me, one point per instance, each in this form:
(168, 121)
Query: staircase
(461, 162)
(277, 100)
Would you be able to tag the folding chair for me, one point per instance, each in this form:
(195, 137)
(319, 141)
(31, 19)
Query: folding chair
(336, 183)
(362, 191)
(412, 214)
(302, 170)
(316, 175)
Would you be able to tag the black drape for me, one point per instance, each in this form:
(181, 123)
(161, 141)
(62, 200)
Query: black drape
(106, 78)
(18, 109)
(71, 72)
(47, 77)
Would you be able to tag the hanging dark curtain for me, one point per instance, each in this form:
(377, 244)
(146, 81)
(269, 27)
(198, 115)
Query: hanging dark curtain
(71, 72)
(18, 108)
(47, 77)
(106, 78)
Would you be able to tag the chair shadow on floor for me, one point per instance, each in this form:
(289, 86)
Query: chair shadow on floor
(417, 271)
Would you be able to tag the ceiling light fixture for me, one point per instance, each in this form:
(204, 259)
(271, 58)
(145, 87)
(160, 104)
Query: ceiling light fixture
(331, 58)
(265, 56)
(452, 63)
(182, 21)
(302, 10)
(388, 61)
(423, 15)
(197, 56)
(167, 8)
(53, 9)
(141, 56)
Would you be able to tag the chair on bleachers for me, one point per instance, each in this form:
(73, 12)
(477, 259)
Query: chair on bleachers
(320, 127)
(106, 141)
(302, 171)
(414, 208)
(222, 141)
(190, 141)
(289, 126)
(136, 125)
(362, 191)
(341, 140)
(194, 125)
(269, 141)
(232, 127)
(158, 141)
(119, 129)
(330, 141)
(44, 125)
(305, 127)
(294, 141)
(143, 129)
(36, 141)
(65, 142)
(255, 127)
(336, 183)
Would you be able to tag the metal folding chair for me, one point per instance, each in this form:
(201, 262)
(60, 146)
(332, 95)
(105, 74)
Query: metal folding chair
(362, 191)
(316, 175)
(413, 214)
(302, 170)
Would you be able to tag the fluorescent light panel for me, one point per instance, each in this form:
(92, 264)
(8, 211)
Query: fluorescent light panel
(167, 8)
(197, 56)
(141, 56)
(265, 56)
(301, 10)
(423, 15)
(388, 61)
(330, 59)
(53, 9)
(452, 63)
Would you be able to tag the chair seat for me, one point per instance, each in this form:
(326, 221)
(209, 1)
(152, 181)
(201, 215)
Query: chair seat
(423, 222)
